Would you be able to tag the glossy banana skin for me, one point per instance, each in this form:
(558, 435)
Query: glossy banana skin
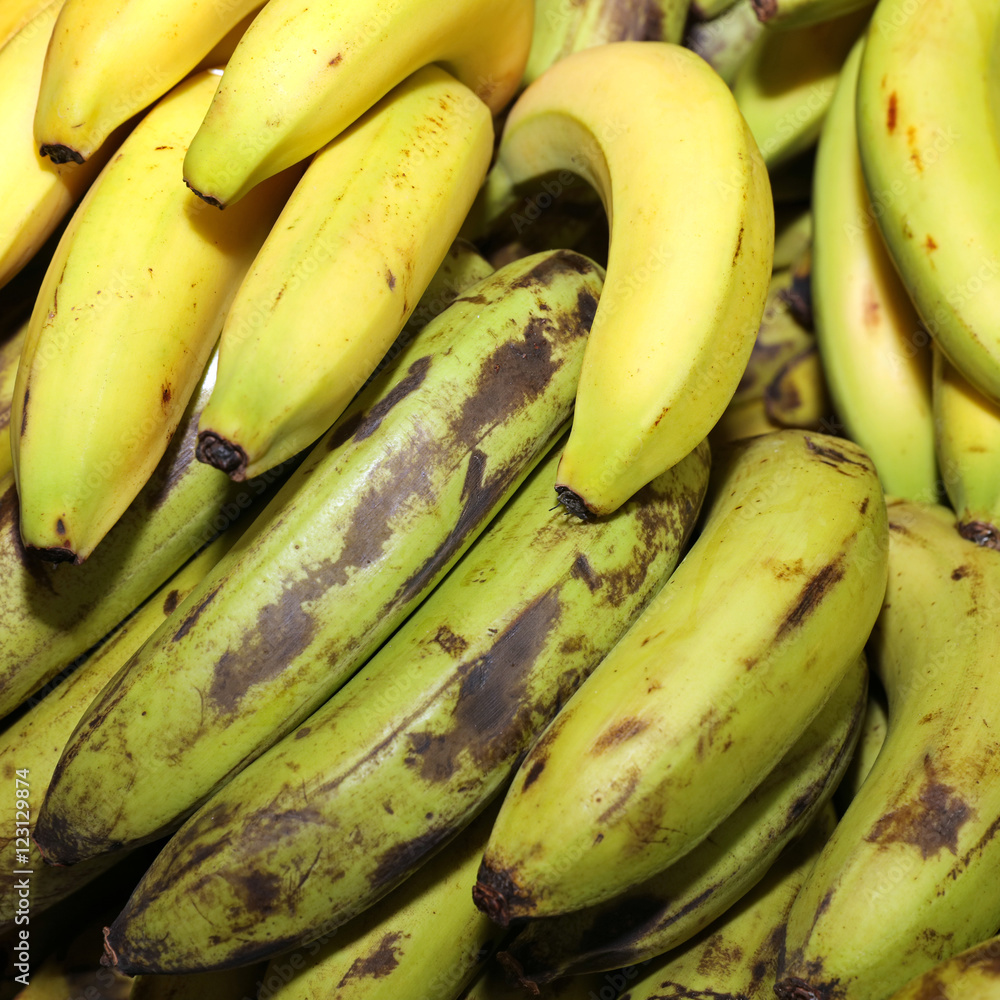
(379, 510)
(422, 737)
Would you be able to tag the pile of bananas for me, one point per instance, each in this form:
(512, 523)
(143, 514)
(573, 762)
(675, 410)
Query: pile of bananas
(500, 499)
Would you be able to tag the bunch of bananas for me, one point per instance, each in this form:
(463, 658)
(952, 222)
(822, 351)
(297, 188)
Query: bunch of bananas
(500, 498)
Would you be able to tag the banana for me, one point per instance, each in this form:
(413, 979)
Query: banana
(738, 652)
(906, 880)
(421, 738)
(36, 195)
(706, 10)
(973, 974)
(341, 270)
(375, 515)
(37, 738)
(785, 84)
(726, 40)
(10, 355)
(967, 442)
(875, 353)
(15, 14)
(668, 909)
(152, 286)
(52, 613)
(793, 233)
(426, 938)
(493, 984)
(227, 984)
(652, 128)
(797, 396)
(736, 957)
(799, 13)
(136, 51)
(866, 751)
(334, 61)
(927, 136)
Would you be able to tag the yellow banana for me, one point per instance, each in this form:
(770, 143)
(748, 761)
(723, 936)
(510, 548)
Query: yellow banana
(797, 396)
(973, 974)
(785, 85)
(706, 692)
(341, 270)
(927, 135)
(109, 60)
(726, 40)
(15, 14)
(906, 879)
(10, 355)
(798, 13)
(422, 737)
(52, 613)
(874, 350)
(334, 61)
(36, 195)
(128, 313)
(375, 515)
(668, 909)
(967, 441)
(656, 132)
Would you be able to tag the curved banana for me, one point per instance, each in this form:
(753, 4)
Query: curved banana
(706, 692)
(36, 195)
(334, 61)
(726, 40)
(927, 135)
(967, 440)
(656, 132)
(799, 13)
(10, 356)
(136, 51)
(875, 352)
(973, 974)
(668, 909)
(127, 315)
(15, 14)
(907, 878)
(785, 85)
(869, 744)
(341, 269)
(375, 515)
(423, 736)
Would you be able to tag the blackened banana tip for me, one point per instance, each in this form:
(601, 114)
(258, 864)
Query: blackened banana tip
(574, 503)
(222, 454)
(492, 903)
(59, 154)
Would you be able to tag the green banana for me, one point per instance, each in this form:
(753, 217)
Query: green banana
(868, 746)
(973, 974)
(798, 13)
(927, 135)
(784, 86)
(493, 984)
(793, 232)
(52, 613)
(425, 734)
(706, 692)
(375, 515)
(671, 907)
(967, 443)
(10, 356)
(227, 984)
(334, 60)
(875, 353)
(906, 880)
(726, 40)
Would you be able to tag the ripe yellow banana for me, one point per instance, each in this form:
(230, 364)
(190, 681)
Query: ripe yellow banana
(973, 974)
(798, 13)
(52, 613)
(341, 270)
(726, 40)
(875, 353)
(10, 355)
(706, 692)
(927, 135)
(422, 737)
(376, 514)
(907, 879)
(301, 75)
(785, 85)
(109, 60)
(15, 14)
(967, 441)
(656, 132)
(128, 313)
(36, 195)
(668, 909)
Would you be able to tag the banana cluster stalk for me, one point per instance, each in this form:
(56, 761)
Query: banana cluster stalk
(422, 737)
(375, 515)
(341, 270)
(665, 911)
(301, 75)
(906, 880)
(657, 134)
(875, 352)
(129, 311)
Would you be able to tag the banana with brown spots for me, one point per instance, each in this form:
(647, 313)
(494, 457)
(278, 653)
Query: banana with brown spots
(973, 974)
(908, 879)
(709, 689)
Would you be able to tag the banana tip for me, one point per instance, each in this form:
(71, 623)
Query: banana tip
(58, 153)
(215, 450)
(110, 956)
(793, 988)
(981, 533)
(574, 503)
(207, 198)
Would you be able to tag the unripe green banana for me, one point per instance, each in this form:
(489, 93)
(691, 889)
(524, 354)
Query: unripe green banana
(973, 974)
(799, 13)
(706, 692)
(672, 906)
(868, 747)
(52, 613)
(10, 356)
(377, 513)
(907, 878)
(425, 734)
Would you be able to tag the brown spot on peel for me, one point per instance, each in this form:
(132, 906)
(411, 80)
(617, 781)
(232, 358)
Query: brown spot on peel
(892, 113)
